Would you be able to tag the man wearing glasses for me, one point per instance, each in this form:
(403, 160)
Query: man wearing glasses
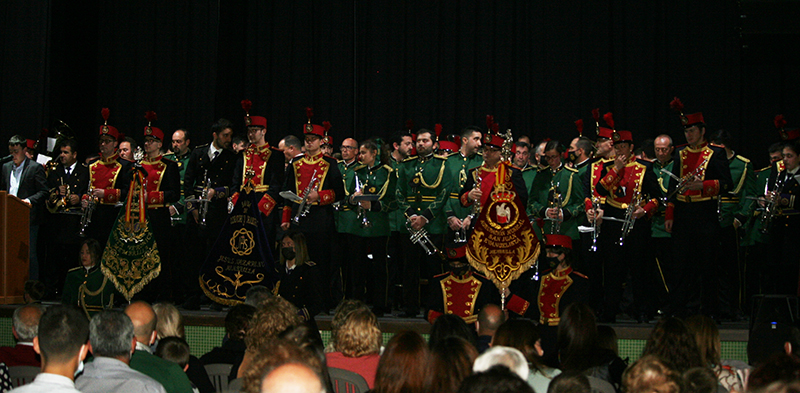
(345, 217)
(556, 195)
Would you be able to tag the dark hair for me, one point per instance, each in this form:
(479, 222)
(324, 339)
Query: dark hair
(554, 145)
(722, 137)
(131, 141)
(569, 382)
(256, 294)
(523, 335)
(451, 325)
(775, 147)
(403, 367)
(672, 341)
(186, 134)
(35, 290)
(498, 379)
(699, 380)
(63, 330)
(607, 338)
(72, 143)
(94, 248)
(373, 144)
(794, 145)
(300, 247)
(779, 367)
(467, 131)
(577, 338)
(421, 131)
(239, 139)
(649, 148)
(397, 137)
(586, 144)
(238, 320)
(451, 362)
(18, 140)
(174, 349)
(220, 126)
(524, 145)
(111, 334)
(291, 140)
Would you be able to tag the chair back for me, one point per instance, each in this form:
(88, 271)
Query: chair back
(218, 373)
(235, 386)
(21, 375)
(346, 381)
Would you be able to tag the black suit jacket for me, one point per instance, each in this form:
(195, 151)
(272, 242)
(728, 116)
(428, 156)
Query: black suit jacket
(61, 227)
(32, 186)
(220, 171)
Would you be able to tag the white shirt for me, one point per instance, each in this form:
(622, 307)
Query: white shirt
(211, 150)
(70, 169)
(48, 383)
(16, 177)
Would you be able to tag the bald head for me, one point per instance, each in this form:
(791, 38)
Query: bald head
(490, 318)
(144, 321)
(292, 378)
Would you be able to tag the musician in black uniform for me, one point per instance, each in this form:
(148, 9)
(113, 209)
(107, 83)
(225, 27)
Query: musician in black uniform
(300, 282)
(67, 182)
(784, 185)
(216, 161)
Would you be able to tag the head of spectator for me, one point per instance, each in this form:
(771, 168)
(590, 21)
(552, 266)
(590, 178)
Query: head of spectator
(451, 325)
(345, 307)
(767, 339)
(775, 374)
(126, 148)
(237, 321)
(359, 335)
(282, 366)
(62, 340)
(239, 143)
(498, 379)
(256, 294)
(490, 318)
(450, 363)
(33, 292)
(577, 338)
(306, 336)
(505, 356)
(607, 338)
(672, 341)
(175, 349)
(274, 316)
(291, 146)
(144, 321)
(170, 321)
(25, 322)
(698, 380)
(404, 365)
(522, 335)
(569, 382)
(111, 335)
(706, 336)
(650, 374)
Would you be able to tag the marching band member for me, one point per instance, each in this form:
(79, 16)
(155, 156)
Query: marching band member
(556, 194)
(458, 166)
(784, 188)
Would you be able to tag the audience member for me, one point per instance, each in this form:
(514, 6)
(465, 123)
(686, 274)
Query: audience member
(25, 325)
(265, 373)
(274, 316)
(490, 318)
(450, 363)
(706, 336)
(256, 294)
(176, 350)
(291, 378)
(33, 292)
(650, 374)
(62, 342)
(170, 324)
(504, 356)
(523, 335)
(167, 373)
(570, 382)
(607, 338)
(498, 379)
(403, 365)
(111, 342)
(700, 380)
(306, 337)
(357, 345)
(232, 350)
(339, 316)
(451, 325)
(672, 342)
(775, 374)
(579, 350)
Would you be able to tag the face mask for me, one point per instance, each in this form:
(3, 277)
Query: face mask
(543, 161)
(552, 262)
(460, 270)
(288, 253)
(572, 157)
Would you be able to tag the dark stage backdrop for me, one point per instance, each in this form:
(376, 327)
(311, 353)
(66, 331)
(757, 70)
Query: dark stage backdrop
(368, 66)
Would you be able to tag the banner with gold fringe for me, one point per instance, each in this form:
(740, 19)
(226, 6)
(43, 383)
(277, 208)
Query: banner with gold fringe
(130, 260)
(241, 256)
(502, 246)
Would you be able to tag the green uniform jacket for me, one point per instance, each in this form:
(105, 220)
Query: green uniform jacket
(569, 187)
(736, 204)
(88, 289)
(376, 180)
(528, 175)
(423, 189)
(182, 162)
(397, 217)
(457, 169)
(169, 374)
(345, 216)
(752, 233)
(657, 222)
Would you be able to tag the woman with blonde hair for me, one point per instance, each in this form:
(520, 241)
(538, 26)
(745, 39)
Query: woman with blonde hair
(357, 345)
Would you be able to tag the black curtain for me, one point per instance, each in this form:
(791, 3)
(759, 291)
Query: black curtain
(368, 66)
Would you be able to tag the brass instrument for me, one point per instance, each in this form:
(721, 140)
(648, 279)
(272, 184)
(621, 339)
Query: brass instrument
(304, 207)
(630, 220)
(55, 203)
(421, 237)
(556, 204)
(461, 234)
(595, 226)
(204, 201)
(683, 181)
(362, 216)
(86, 217)
(770, 208)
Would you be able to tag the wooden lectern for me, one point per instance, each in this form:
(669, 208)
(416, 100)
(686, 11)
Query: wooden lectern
(14, 248)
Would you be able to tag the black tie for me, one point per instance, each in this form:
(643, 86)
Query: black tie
(216, 153)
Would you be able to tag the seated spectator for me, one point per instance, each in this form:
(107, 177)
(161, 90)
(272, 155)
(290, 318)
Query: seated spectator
(498, 379)
(33, 292)
(25, 325)
(780, 372)
(706, 336)
(404, 365)
(170, 324)
(650, 374)
(450, 363)
(167, 373)
(570, 382)
(700, 380)
(62, 342)
(274, 316)
(86, 286)
(176, 350)
(283, 367)
(357, 345)
(307, 338)
(607, 338)
(490, 318)
(523, 335)
(339, 316)
(256, 294)
(579, 350)
(111, 342)
(674, 344)
(450, 325)
(232, 350)
(504, 356)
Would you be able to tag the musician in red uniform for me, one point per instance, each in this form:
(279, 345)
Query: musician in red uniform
(317, 224)
(460, 291)
(109, 178)
(692, 218)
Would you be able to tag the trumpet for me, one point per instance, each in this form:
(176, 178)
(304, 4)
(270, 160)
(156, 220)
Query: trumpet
(630, 220)
(556, 204)
(304, 207)
(683, 181)
(362, 216)
(204, 201)
(770, 208)
(86, 217)
(421, 237)
(595, 226)
(461, 234)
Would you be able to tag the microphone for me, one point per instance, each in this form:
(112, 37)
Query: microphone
(6, 159)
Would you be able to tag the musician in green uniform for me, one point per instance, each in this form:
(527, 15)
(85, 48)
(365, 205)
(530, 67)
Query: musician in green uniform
(661, 239)
(85, 286)
(375, 180)
(345, 217)
(422, 190)
(457, 168)
(556, 196)
(180, 154)
(401, 146)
